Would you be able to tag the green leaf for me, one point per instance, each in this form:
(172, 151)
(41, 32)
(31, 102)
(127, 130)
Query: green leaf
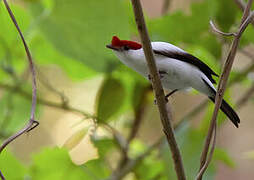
(109, 99)
(14, 111)
(45, 54)
(11, 47)
(75, 139)
(226, 14)
(96, 169)
(54, 164)
(248, 36)
(179, 28)
(8, 31)
(150, 168)
(81, 30)
(11, 167)
(103, 146)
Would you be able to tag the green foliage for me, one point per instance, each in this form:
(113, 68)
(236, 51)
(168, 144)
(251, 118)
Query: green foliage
(109, 99)
(104, 146)
(226, 14)
(11, 167)
(54, 164)
(45, 53)
(84, 31)
(14, 112)
(151, 168)
(11, 48)
(72, 35)
(193, 29)
(75, 139)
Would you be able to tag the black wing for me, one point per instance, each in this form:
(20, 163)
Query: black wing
(188, 58)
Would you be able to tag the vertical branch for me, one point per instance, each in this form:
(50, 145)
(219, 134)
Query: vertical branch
(159, 94)
(246, 19)
(2, 176)
(165, 6)
(32, 123)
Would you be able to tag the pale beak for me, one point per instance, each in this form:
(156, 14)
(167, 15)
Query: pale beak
(112, 47)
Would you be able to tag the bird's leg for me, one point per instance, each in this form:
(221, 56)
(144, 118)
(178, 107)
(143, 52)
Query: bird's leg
(169, 94)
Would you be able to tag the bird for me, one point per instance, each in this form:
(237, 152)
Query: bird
(178, 69)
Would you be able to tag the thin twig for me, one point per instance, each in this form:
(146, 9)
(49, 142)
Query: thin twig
(2, 176)
(215, 29)
(242, 5)
(222, 87)
(159, 93)
(32, 123)
(203, 169)
(165, 7)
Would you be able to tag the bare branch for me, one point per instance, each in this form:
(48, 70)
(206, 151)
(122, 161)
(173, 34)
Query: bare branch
(215, 29)
(2, 176)
(159, 93)
(165, 7)
(222, 86)
(246, 11)
(32, 123)
(242, 5)
(205, 166)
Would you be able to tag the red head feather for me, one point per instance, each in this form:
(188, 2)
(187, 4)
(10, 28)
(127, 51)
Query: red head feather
(116, 42)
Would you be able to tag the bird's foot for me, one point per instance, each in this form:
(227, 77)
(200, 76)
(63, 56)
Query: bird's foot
(167, 96)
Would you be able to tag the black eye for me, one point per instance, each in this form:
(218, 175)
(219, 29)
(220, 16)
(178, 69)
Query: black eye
(126, 48)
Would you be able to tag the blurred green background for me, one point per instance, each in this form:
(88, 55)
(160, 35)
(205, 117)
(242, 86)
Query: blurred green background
(95, 114)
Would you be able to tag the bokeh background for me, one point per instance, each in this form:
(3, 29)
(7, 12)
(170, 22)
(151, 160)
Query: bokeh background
(95, 114)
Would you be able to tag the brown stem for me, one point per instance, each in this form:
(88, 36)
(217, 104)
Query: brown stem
(159, 93)
(165, 7)
(2, 176)
(222, 86)
(32, 123)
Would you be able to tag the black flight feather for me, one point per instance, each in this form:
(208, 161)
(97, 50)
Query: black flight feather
(225, 107)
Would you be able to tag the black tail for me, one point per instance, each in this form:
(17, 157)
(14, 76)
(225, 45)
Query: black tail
(229, 111)
(226, 108)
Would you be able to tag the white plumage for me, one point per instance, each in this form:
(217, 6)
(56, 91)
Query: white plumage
(179, 70)
(180, 75)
